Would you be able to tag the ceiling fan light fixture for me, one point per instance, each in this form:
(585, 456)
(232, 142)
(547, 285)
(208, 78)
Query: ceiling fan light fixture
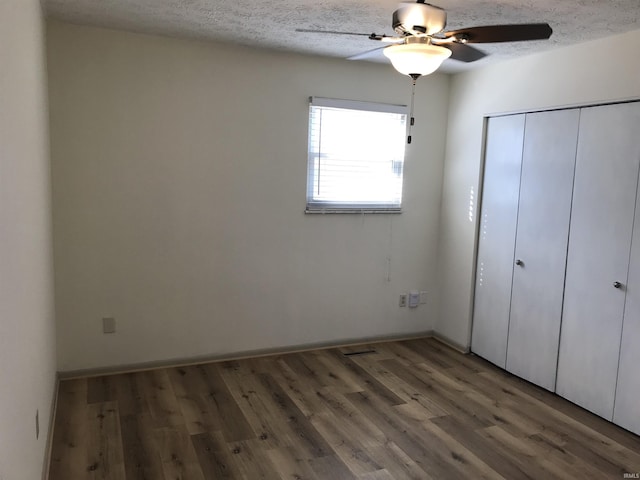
(416, 58)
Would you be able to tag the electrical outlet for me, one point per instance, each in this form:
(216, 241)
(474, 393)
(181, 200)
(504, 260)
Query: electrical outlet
(37, 424)
(403, 300)
(423, 297)
(108, 325)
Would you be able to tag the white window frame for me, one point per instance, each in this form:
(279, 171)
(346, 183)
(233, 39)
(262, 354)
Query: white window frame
(316, 205)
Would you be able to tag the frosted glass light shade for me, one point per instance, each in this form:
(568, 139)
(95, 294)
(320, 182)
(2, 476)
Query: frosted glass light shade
(416, 58)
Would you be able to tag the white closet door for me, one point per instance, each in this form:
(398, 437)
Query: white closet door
(600, 237)
(541, 245)
(494, 270)
(627, 405)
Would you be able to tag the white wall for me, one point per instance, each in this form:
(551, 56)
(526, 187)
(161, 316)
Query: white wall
(599, 71)
(179, 188)
(27, 335)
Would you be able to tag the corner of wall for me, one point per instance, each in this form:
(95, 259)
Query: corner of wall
(27, 330)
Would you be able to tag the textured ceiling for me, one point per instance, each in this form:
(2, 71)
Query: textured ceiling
(272, 23)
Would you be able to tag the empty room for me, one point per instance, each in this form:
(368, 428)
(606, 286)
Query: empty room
(319, 240)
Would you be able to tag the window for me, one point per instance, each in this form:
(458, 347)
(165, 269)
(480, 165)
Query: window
(356, 156)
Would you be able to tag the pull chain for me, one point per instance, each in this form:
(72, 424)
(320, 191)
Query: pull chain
(413, 95)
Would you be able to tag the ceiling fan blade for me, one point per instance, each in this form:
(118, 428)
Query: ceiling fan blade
(332, 32)
(464, 53)
(370, 36)
(502, 33)
(369, 54)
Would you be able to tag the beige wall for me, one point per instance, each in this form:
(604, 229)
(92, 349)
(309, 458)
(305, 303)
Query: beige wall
(27, 335)
(599, 71)
(179, 188)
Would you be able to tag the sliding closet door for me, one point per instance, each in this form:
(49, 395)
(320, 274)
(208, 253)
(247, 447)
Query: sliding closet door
(503, 156)
(541, 245)
(598, 256)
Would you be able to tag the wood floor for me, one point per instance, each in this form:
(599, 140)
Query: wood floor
(411, 410)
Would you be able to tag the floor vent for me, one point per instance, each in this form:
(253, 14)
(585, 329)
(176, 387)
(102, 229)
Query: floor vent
(358, 353)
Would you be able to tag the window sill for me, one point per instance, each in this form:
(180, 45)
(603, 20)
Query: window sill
(352, 211)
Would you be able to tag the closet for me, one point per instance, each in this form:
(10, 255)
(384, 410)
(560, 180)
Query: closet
(526, 205)
(604, 196)
(556, 298)
(544, 211)
(494, 270)
(627, 401)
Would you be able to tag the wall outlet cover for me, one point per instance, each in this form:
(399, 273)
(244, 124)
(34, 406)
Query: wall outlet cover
(423, 297)
(403, 300)
(108, 325)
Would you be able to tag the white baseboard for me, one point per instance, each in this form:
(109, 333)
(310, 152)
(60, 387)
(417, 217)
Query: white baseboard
(178, 362)
(450, 343)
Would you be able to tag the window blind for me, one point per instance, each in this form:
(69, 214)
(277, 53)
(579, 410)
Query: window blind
(356, 155)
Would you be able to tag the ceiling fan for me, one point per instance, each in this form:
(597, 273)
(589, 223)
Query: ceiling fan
(421, 44)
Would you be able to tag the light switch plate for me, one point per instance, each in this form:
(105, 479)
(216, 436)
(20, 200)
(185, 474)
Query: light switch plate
(414, 299)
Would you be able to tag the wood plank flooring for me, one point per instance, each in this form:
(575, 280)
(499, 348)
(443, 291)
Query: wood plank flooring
(412, 410)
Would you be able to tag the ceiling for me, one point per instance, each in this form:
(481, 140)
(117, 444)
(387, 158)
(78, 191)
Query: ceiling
(272, 23)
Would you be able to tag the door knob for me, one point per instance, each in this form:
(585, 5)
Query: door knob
(519, 262)
(617, 285)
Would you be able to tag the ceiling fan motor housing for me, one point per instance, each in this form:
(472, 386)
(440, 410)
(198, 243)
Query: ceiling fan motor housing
(412, 18)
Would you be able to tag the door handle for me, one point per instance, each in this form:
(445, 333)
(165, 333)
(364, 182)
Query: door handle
(617, 285)
(520, 263)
